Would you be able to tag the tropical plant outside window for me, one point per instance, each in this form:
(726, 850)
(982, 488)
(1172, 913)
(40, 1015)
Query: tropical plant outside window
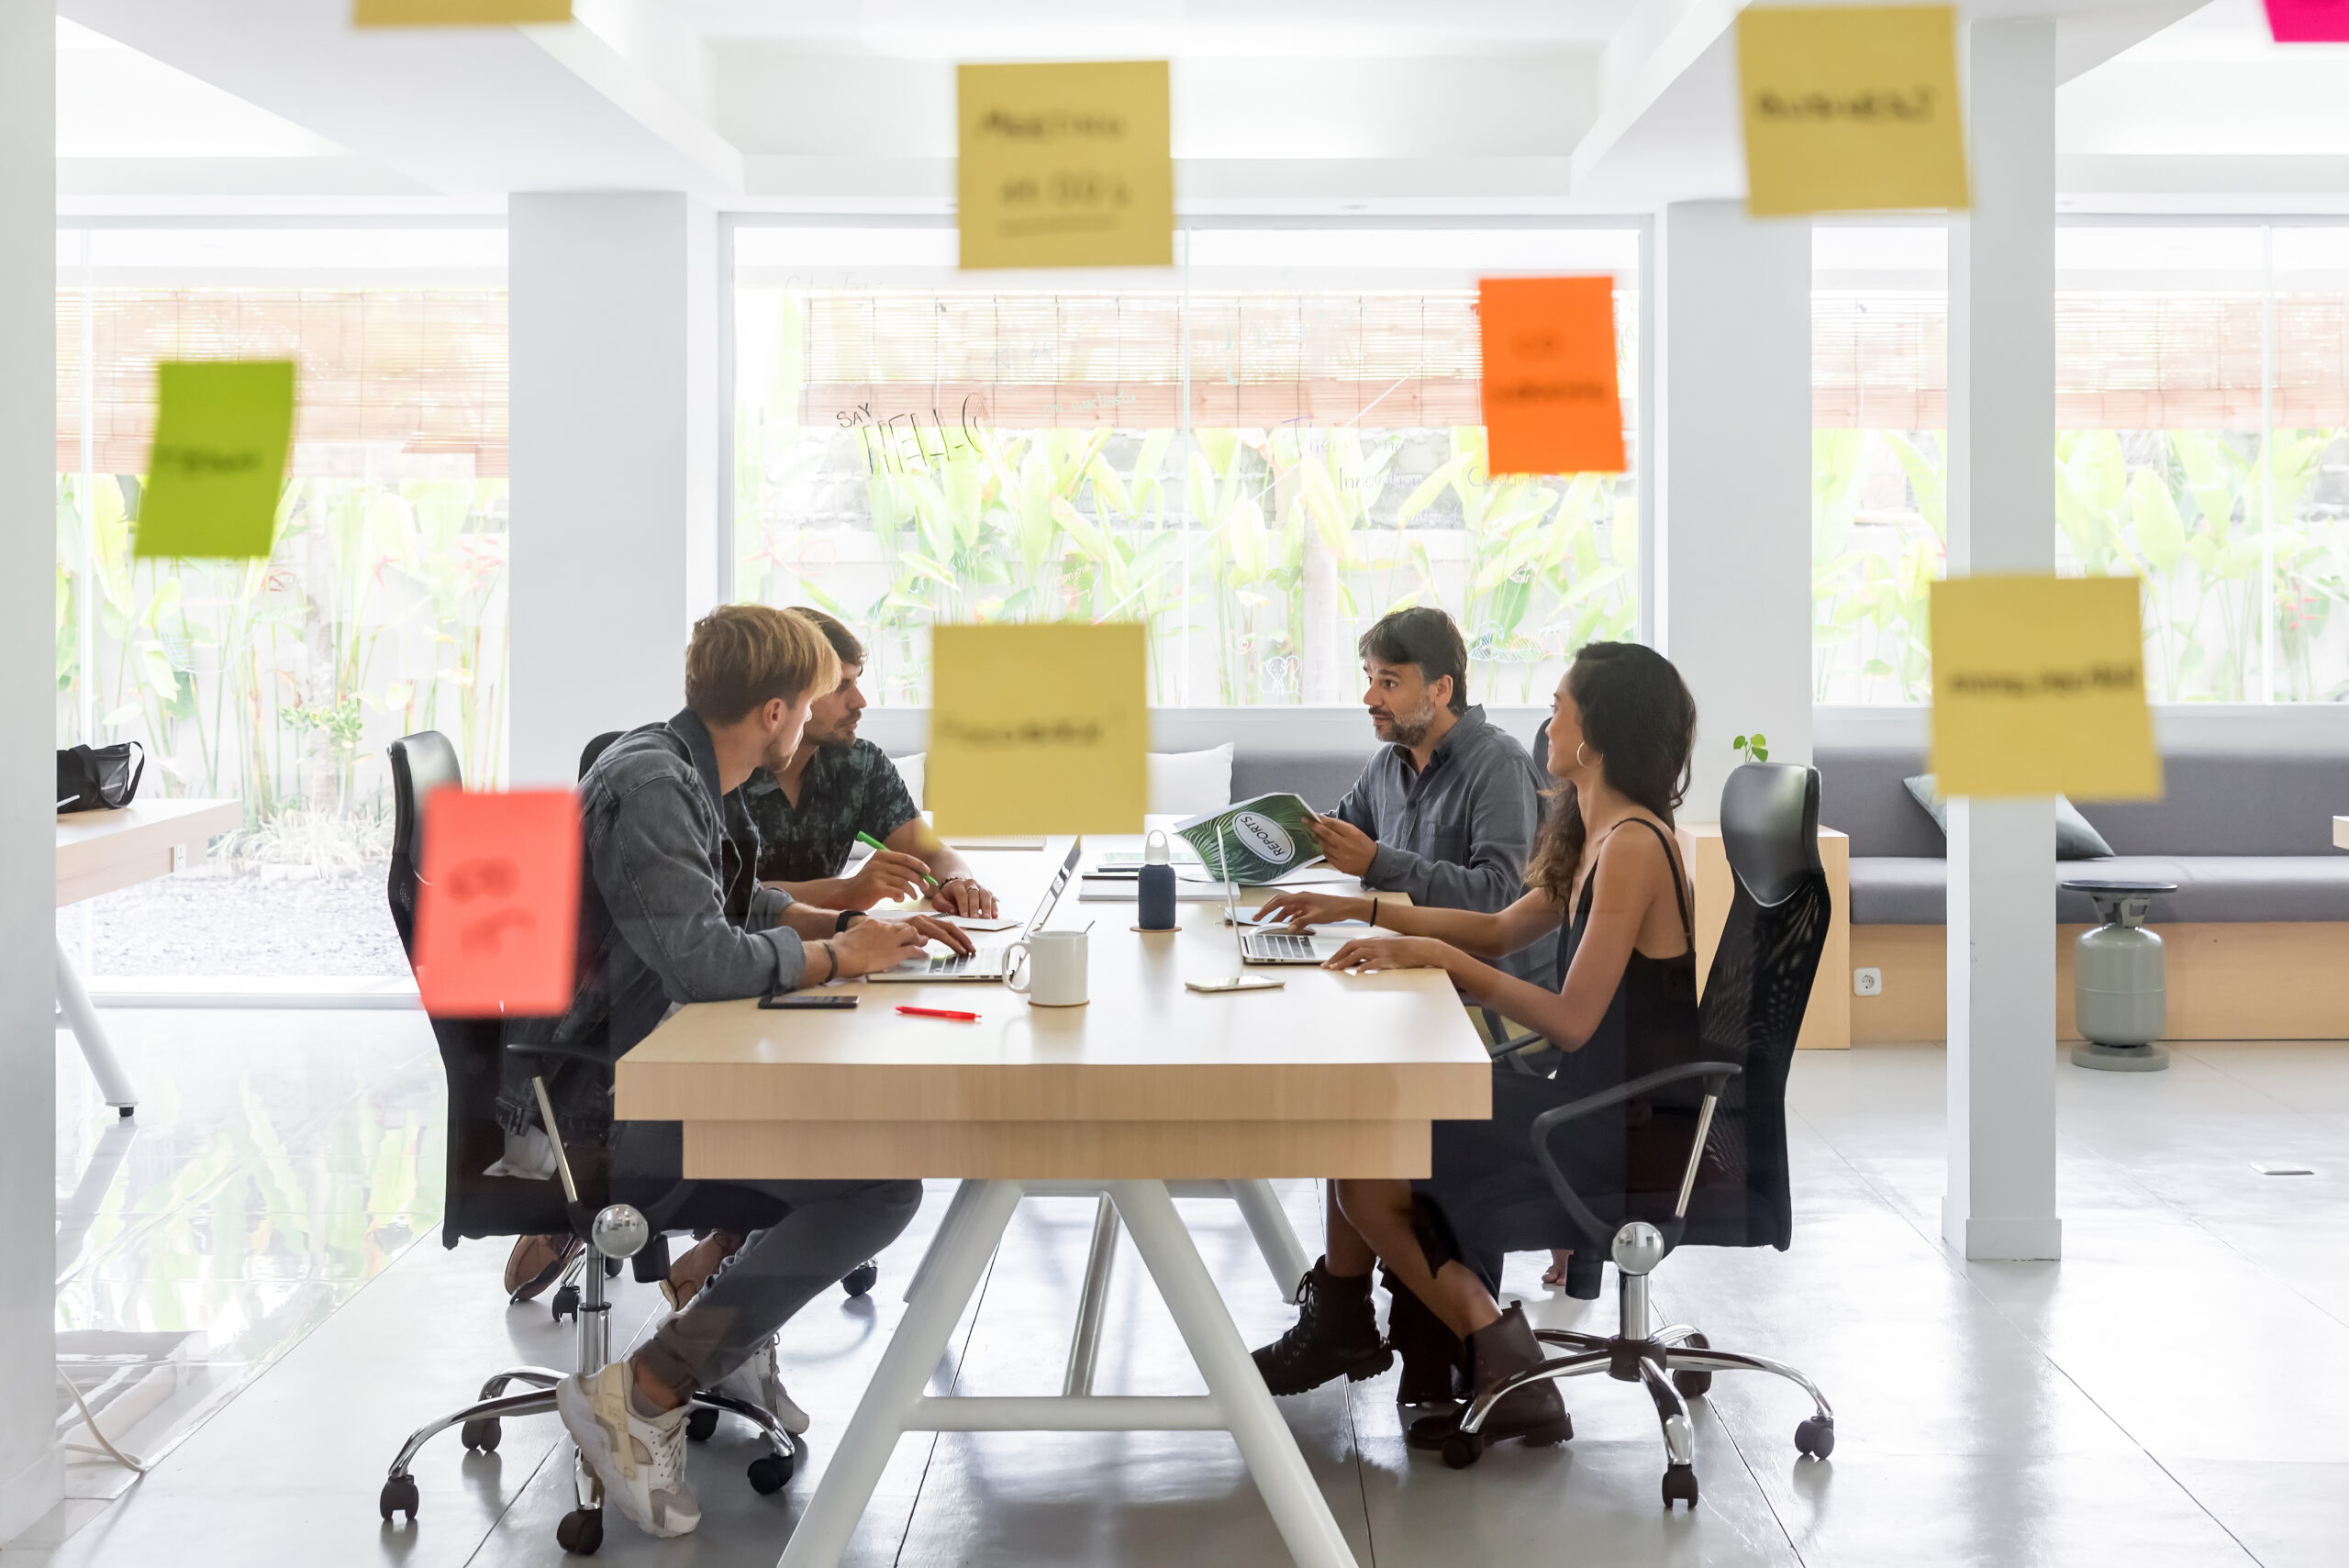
(1254, 454)
(382, 609)
(2176, 348)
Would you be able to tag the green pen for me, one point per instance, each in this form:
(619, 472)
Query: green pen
(870, 842)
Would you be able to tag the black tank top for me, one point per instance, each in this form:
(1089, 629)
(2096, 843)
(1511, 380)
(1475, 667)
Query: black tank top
(1652, 1021)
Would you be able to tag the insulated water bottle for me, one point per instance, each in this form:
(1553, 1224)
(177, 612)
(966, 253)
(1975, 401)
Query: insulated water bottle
(1156, 883)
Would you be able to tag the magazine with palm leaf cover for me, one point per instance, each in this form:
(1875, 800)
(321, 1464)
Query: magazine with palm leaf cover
(1263, 839)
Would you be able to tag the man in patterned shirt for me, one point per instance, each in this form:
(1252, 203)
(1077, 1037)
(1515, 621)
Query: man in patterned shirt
(835, 787)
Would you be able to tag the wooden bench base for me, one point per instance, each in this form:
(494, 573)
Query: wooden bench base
(2269, 980)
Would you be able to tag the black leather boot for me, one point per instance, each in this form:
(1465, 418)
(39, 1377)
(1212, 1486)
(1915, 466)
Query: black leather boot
(1435, 1360)
(1533, 1413)
(1336, 1333)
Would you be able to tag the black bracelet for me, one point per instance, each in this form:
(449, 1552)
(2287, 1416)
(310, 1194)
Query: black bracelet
(841, 924)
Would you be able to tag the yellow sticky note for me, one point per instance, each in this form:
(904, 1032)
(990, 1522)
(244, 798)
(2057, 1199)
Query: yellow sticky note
(2039, 688)
(1039, 728)
(1068, 165)
(1851, 109)
(456, 13)
(218, 465)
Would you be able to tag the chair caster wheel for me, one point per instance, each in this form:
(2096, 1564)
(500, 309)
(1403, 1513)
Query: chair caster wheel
(1680, 1486)
(702, 1423)
(860, 1280)
(1815, 1437)
(1461, 1449)
(566, 1304)
(398, 1496)
(770, 1474)
(480, 1435)
(1694, 1384)
(581, 1531)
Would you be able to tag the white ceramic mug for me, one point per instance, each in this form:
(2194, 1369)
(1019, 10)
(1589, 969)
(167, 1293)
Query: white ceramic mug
(1049, 968)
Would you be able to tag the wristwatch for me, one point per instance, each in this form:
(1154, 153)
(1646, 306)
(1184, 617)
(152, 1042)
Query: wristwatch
(846, 916)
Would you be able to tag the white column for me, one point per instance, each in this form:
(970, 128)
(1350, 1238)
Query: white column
(614, 417)
(1733, 450)
(32, 1473)
(2003, 1061)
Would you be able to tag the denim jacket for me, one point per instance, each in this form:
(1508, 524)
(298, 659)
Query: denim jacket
(670, 912)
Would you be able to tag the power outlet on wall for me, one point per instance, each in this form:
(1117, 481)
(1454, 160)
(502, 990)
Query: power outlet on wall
(1867, 983)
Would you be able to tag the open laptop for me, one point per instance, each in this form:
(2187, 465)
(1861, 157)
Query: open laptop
(1261, 946)
(986, 964)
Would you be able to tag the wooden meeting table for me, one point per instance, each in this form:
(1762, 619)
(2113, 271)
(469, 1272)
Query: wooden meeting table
(1148, 1084)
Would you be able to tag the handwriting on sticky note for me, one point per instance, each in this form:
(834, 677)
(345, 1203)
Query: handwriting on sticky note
(1851, 109)
(2039, 688)
(1064, 165)
(498, 912)
(2308, 21)
(1551, 401)
(1039, 728)
(456, 13)
(216, 468)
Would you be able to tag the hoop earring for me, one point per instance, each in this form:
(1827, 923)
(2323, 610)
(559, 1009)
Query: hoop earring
(1580, 761)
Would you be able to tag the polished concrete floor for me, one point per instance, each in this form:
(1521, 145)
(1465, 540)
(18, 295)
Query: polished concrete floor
(2169, 1393)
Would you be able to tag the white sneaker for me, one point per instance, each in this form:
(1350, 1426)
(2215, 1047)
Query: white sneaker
(758, 1381)
(640, 1459)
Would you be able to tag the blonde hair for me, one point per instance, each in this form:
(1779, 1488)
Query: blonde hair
(744, 656)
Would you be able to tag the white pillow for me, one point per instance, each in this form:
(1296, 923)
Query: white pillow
(909, 768)
(1183, 784)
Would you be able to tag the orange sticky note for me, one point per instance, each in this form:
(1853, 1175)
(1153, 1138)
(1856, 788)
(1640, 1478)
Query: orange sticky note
(1551, 401)
(498, 916)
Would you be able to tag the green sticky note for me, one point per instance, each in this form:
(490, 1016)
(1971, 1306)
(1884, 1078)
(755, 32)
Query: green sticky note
(222, 432)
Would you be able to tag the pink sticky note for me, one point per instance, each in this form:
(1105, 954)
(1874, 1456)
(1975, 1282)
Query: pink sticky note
(2308, 21)
(498, 913)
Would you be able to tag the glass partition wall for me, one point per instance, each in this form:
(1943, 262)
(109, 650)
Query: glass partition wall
(382, 610)
(1255, 452)
(2202, 447)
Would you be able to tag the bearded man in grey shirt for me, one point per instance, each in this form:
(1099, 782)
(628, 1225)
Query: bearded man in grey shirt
(1447, 810)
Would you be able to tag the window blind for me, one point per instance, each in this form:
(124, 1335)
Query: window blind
(1401, 360)
(418, 372)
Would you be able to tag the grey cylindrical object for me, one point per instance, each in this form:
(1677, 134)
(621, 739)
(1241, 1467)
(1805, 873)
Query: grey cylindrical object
(2118, 985)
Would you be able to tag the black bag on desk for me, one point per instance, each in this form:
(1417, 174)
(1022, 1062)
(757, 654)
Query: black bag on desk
(102, 778)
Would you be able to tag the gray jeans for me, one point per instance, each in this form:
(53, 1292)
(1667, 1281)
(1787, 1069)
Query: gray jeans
(832, 1227)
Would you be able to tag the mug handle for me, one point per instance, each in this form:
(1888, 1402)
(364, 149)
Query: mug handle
(1015, 960)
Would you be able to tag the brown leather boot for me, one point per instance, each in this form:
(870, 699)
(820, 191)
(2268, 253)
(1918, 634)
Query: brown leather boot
(1336, 1333)
(1435, 1360)
(1534, 1413)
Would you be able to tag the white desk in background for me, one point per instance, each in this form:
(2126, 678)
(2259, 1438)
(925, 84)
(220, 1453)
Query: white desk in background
(99, 852)
(1148, 1086)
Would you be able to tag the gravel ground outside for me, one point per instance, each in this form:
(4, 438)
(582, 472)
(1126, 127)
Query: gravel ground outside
(212, 924)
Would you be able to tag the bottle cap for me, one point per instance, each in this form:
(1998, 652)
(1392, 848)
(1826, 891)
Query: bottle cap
(1155, 851)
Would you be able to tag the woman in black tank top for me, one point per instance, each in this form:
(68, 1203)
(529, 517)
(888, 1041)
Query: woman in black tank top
(1620, 731)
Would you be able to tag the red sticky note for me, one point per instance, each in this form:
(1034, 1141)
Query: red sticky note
(1551, 401)
(498, 913)
(2308, 21)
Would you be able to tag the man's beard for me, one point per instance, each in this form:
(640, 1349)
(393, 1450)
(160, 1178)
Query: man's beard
(1412, 730)
(838, 739)
(777, 756)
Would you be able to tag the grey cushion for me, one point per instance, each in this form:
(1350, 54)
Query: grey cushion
(2075, 839)
(1320, 776)
(1913, 890)
(2242, 803)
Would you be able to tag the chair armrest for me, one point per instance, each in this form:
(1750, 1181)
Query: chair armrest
(1719, 1073)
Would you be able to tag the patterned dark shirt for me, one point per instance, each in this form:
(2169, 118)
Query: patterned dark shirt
(845, 789)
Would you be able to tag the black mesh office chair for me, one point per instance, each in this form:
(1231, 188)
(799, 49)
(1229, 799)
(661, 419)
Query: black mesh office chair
(1704, 1143)
(485, 1206)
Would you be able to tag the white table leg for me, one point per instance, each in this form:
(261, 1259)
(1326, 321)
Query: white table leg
(958, 1258)
(1276, 1238)
(96, 1050)
(1265, 1442)
(963, 1193)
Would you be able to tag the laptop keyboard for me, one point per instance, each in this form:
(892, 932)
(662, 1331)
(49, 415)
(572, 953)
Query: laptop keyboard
(1279, 944)
(954, 962)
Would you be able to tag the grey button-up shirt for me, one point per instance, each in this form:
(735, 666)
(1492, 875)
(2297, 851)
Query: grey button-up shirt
(1457, 835)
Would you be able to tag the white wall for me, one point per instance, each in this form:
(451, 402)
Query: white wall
(1732, 481)
(30, 1474)
(614, 419)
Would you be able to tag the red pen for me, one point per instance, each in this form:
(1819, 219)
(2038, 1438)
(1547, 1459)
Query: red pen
(940, 1013)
